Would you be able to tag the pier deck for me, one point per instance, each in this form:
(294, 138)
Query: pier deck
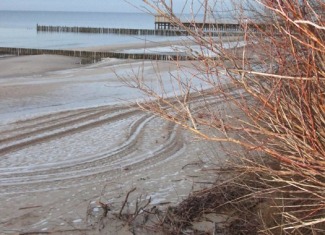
(164, 23)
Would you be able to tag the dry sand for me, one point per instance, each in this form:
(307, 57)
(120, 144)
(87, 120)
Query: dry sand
(35, 65)
(68, 142)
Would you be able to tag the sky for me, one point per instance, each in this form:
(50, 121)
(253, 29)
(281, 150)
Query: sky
(191, 6)
(83, 5)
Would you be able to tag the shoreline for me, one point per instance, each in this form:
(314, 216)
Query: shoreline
(165, 50)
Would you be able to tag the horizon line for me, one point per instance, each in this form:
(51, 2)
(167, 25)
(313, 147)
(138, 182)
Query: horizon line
(73, 11)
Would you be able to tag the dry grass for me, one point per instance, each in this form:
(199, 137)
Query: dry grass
(279, 75)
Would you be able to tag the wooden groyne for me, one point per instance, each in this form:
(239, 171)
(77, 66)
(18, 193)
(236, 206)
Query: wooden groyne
(93, 54)
(124, 31)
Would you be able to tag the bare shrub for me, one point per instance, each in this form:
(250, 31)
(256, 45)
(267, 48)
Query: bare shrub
(272, 90)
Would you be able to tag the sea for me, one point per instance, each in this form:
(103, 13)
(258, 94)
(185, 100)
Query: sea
(18, 29)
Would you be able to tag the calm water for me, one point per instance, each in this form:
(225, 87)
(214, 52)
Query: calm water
(18, 29)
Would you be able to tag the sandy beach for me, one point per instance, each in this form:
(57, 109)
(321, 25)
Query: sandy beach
(70, 139)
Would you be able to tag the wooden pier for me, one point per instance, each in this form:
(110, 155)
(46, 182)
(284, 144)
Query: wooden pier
(222, 25)
(93, 55)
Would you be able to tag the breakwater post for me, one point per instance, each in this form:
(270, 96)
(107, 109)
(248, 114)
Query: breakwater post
(213, 31)
(93, 54)
(121, 31)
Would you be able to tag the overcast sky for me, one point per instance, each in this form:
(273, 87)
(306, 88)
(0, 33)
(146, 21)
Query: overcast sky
(83, 5)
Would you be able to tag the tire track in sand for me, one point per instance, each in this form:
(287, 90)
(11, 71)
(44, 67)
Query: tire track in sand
(121, 157)
(20, 141)
(91, 161)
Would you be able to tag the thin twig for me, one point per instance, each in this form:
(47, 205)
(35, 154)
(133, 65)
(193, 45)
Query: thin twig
(125, 201)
